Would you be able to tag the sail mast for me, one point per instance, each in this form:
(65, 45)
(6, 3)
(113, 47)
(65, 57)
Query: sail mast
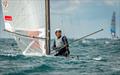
(47, 21)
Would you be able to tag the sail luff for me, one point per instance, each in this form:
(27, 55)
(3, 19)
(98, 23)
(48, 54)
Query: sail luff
(1, 20)
(2, 24)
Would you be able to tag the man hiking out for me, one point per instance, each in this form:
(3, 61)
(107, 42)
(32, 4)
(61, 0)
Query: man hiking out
(61, 44)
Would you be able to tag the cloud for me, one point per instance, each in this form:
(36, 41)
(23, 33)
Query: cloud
(65, 7)
(112, 2)
(68, 7)
(74, 4)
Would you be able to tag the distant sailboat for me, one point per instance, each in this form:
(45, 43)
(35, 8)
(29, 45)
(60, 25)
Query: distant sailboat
(113, 26)
(29, 22)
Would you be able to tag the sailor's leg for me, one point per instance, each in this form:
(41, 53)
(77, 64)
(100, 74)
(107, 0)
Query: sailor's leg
(67, 53)
(61, 52)
(57, 54)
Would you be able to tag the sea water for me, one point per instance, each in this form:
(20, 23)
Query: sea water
(96, 57)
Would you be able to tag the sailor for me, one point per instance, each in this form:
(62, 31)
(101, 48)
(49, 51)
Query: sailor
(61, 44)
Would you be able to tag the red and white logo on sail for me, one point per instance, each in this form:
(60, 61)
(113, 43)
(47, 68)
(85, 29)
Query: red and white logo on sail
(8, 18)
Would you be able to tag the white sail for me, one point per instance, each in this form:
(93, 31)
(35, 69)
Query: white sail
(26, 17)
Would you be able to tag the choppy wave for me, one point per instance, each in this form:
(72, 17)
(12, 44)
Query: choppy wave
(96, 57)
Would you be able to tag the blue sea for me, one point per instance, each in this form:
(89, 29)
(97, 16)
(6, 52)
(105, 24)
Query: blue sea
(88, 57)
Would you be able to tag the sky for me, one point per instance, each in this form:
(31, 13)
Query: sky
(77, 18)
(80, 17)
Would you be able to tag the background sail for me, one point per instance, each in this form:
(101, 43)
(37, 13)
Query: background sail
(26, 17)
(113, 26)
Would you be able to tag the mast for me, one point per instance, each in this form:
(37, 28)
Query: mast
(47, 21)
(113, 25)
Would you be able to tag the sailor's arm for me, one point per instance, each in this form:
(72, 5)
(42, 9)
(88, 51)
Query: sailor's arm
(65, 42)
(54, 45)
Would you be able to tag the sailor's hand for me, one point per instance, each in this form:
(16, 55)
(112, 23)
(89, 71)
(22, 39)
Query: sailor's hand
(65, 45)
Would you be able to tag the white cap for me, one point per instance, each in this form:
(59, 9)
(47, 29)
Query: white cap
(58, 29)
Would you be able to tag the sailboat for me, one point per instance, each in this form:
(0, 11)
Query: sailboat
(113, 26)
(29, 22)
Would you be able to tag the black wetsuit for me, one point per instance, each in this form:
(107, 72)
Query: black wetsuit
(63, 51)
